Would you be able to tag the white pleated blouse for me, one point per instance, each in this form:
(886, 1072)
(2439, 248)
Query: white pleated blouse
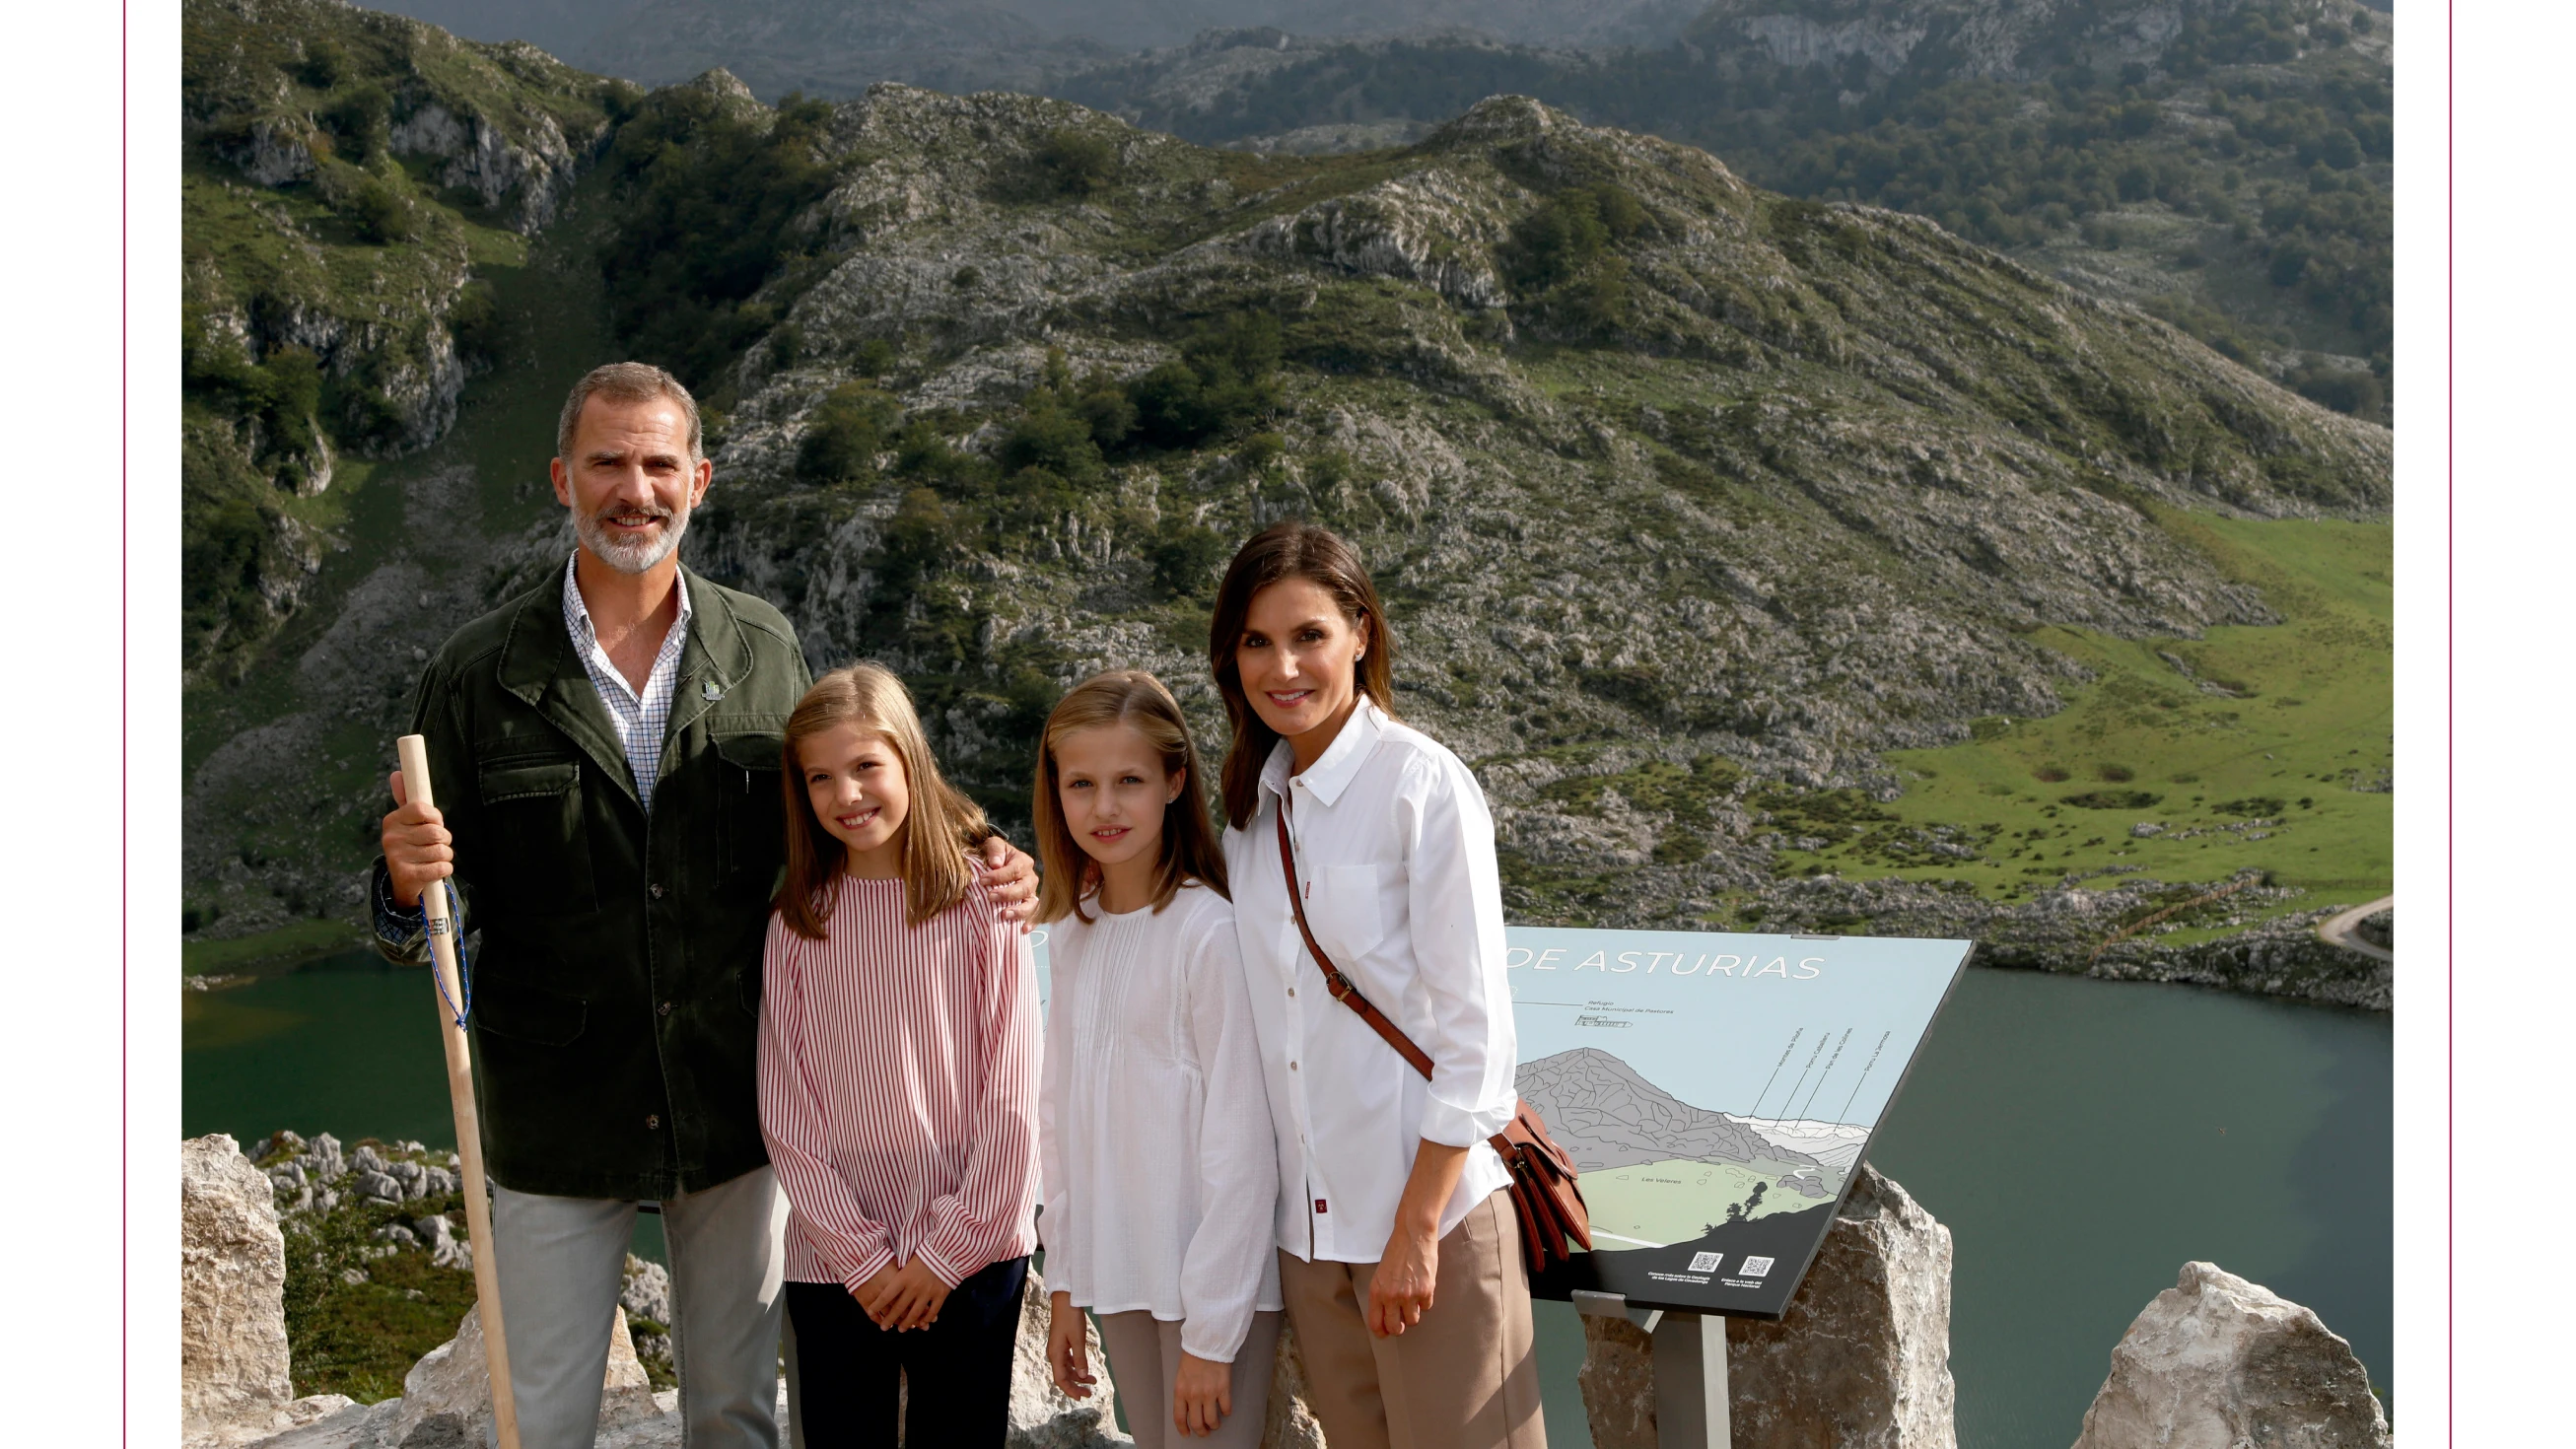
(1153, 1124)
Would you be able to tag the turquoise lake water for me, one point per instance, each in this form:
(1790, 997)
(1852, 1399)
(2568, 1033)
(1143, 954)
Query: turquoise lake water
(2081, 1140)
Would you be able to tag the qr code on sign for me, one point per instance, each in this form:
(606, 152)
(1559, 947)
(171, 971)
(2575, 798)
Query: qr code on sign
(1705, 1262)
(1755, 1267)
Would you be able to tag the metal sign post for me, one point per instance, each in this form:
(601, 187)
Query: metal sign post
(1690, 1370)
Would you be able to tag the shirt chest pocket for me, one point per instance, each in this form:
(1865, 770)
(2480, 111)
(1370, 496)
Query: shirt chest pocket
(1354, 908)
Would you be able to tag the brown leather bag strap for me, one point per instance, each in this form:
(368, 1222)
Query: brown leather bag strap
(1334, 981)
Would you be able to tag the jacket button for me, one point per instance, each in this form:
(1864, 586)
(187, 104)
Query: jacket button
(666, 1008)
(653, 1121)
(657, 890)
(1292, 1066)
(1292, 990)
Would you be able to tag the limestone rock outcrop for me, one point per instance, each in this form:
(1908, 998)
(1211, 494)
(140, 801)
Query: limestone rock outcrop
(1861, 1361)
(1618, 1384)
(2216, 1362)
(232, 1296)
(1041, 1416)
(446, 1403)
(1291, 1423)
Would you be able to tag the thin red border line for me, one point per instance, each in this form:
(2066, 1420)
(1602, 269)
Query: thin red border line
(2450, 718)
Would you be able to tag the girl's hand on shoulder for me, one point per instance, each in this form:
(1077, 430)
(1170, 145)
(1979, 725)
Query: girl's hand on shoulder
(913, 1298)
(1068, 1357)
(1013, 880)
(1202, 1395)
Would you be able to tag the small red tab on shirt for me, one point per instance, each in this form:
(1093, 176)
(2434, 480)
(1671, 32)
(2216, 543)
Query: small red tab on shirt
(1319, 1205)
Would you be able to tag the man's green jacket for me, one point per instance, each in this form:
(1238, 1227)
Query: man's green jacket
(616, 988)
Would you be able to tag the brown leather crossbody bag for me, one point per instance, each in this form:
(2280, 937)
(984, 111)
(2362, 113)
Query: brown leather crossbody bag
(1553, 1218)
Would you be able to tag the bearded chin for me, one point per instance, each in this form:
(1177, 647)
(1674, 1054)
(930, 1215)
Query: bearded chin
(632, 555)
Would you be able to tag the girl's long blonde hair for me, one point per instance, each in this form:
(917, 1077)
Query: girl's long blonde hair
(938, 827)
(1138, 700)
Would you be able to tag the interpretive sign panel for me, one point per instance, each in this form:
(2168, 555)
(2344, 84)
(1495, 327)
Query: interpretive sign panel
(1717, 1093)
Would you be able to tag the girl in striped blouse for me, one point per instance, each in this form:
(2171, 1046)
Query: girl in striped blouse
(1155, 1130)
(898, 1083)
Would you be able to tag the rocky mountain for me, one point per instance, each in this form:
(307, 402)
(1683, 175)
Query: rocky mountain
(837, 48)
(1606, 1116)
(558, 27)
(778, 46)
(1688, 499)
(2223, 162)
(345, 174)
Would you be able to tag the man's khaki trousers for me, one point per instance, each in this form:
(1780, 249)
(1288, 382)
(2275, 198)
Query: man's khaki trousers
(1465, 1377)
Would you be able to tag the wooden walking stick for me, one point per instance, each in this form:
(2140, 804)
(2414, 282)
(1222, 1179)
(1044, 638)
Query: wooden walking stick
(414, 754)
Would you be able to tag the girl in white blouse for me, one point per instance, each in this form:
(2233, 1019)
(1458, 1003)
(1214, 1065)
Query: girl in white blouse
(1399, 1252)
(1154, 1130)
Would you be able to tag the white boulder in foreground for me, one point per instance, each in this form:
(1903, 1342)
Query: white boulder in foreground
(447, 1400)
(2216, 1362)
(1042, 1417)
(1861, 1361)
(233, 1384)
(1291, 1421)
(446, 1403)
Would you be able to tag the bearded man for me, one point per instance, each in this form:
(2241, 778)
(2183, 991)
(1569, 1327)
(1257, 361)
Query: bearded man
(606, 751)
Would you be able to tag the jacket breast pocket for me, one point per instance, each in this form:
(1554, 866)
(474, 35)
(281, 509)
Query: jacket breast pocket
(534, 857)
(1349, 909)
(752, 813)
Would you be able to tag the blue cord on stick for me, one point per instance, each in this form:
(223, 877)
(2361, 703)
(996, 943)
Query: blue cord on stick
(464, 969)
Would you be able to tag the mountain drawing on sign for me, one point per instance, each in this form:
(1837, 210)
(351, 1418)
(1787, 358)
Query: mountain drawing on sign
(1657, 1170)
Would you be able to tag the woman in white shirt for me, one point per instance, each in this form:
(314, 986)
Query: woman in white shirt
(1153, 1128)
(1399, 1253)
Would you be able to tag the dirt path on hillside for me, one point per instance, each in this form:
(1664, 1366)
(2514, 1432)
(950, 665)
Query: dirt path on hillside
(2344, 929)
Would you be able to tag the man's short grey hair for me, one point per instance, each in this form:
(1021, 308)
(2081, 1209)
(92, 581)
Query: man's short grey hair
(626, 382)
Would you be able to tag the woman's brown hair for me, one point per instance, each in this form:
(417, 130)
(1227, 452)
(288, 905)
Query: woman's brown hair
(1137, 699)
(1284, 551)
(938, 827)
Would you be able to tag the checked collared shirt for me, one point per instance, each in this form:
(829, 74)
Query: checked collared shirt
(640, 716)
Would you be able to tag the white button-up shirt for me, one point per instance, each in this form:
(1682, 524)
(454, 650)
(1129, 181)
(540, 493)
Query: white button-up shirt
(1395, 847)
(1153, 1135)
(641, 716)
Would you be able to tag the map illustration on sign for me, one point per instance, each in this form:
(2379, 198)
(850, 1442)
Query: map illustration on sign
(1716, 1093)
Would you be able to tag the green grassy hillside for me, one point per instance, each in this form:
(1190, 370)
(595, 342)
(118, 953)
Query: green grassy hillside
(2255, 749)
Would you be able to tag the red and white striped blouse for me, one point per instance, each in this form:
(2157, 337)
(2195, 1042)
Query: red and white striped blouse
(899, 1087)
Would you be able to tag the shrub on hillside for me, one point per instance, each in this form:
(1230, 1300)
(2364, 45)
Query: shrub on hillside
(1221, 381)
(380, 214)
(2113, 799)
(360, 121)
(1077, 163)
(1569, 230)
(849, 430)
(1185, 560)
